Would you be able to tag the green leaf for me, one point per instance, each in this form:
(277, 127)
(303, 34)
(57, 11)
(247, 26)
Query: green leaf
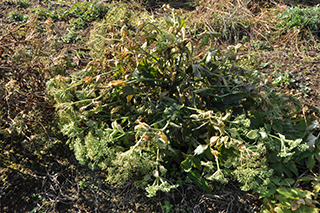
(303, 155)
(277, 126)
(288, 193)
(311, 161)
(200, 182)
(128, 90)
(317, 154)
(204, 41)
(201, 90)
(200, 149)
(234, 98)
(275, 181)
(306, 178)
(287, 182)
(197, 68)
(169, 20)
(293, 168)
(187, 164)
(197, 163)
(214, 34)
(253, 134)
(279, 210)
(271, 190)
(280, 168)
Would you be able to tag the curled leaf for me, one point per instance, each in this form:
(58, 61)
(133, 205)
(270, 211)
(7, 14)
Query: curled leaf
(214, 140)
(253, 134)
(142, 126)
(164, 138)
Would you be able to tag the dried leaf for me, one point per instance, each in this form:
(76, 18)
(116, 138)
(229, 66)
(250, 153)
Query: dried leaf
(87, 79)
(164, 138)
(214, 140)
(115, 83)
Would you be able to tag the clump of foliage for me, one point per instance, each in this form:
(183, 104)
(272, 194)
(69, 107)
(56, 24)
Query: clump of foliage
(148, 101)
(17, 16)
(261, 45)
(291, 200)
(79, 15)
(22, 3)
(84, 11)
(301, 18)
(87, 11)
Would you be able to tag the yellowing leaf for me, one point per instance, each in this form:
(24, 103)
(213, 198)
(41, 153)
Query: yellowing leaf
(87, 79)
(115, 109)
(215, 152)
(125, 51)
(142, 126)
(224, 139)
(164, 138)
(294, 206)
(129, 97)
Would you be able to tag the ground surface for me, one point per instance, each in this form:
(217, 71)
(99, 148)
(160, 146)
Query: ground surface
(43, 182)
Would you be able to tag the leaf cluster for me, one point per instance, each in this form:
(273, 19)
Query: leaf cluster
(301, 18)
(148, 101)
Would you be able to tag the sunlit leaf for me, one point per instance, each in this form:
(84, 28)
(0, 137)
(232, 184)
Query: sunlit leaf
(87, 79)
(217, 176)
(253, 134)
(129, 98)
(200, 149)
(197, 163)
(169, 20)
(214, 140)
(117, 126)
(142, 126)
(116, 109)
(164, 138)
(288, 193)
(187, 164)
